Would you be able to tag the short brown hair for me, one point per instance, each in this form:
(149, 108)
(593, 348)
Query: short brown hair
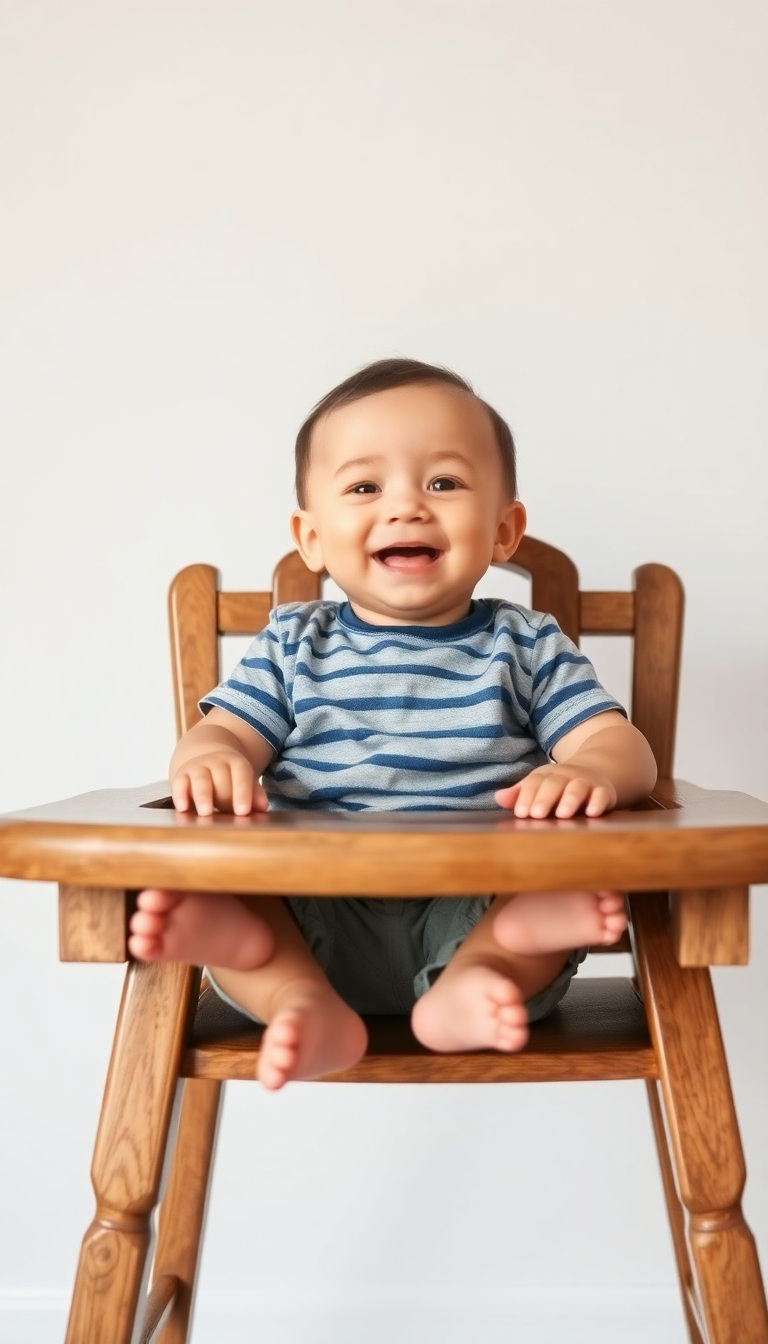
(380, 377)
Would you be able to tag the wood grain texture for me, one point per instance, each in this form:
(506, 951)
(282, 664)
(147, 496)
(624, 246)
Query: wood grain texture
(598, 1032)
(606, 613)
(656, 659)
(386, 854)
(129, 1152)
(242, 613)
(182, 1212)
(710, 927)
(703, 1130)
(192, 618)
(93, 923)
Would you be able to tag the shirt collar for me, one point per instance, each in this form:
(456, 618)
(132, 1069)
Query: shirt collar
(477, 617)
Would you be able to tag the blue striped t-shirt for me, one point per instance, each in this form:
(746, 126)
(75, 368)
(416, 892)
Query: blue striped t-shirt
(407, 717)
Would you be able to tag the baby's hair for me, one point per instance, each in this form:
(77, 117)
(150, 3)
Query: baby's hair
(380, 377)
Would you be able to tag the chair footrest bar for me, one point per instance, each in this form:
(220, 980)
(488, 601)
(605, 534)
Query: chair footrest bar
(598, 1032)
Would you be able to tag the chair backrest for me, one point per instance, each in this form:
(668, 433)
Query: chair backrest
(652, 613)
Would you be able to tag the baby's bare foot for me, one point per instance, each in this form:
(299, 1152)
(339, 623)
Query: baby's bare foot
(199, 929)
(533, 922)
(312, 1034)
(471, 1006)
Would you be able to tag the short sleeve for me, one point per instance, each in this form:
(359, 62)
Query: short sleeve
(565, 690)
(256, 689)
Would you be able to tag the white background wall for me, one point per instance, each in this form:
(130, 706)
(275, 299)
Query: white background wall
(211, 213)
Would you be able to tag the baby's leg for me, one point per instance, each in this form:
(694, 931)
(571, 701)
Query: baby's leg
(534, 922)
(310, 1031)
(518, 948)
(478, 1000)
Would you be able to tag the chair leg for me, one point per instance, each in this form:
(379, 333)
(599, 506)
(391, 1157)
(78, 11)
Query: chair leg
(676, 1216)
(130, 1148)
(703, 1130)
(182, 1211)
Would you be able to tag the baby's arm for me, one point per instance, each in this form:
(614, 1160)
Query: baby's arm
(601, 764)
(219, 763)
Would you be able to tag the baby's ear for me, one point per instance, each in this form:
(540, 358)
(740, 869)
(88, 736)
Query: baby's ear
(510, 532)
(306, 540)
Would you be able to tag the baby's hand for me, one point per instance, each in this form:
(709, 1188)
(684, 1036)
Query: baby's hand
(222, 779)
(562, 790)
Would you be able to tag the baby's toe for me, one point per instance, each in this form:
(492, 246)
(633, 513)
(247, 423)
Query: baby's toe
(504, 994)
(158, 901)
(610, 901)
(282, 1058)
(605, 938)
(512, 1037)
(617, 922)
(270, 1076)
(284, 1031)
(510, 1014)
(146, 924)
(283, 1046)
(142, 948)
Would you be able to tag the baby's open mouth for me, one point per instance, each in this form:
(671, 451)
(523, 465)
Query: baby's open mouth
(407, 558)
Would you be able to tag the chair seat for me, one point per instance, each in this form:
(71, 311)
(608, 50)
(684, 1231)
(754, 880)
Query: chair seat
(598, 1032)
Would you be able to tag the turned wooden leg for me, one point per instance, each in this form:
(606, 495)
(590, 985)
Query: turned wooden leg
(130, 1147)
(182, 1212)
(703, 1130)
(676, 1214)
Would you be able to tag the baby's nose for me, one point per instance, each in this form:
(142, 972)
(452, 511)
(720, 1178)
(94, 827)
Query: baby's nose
(407, 502)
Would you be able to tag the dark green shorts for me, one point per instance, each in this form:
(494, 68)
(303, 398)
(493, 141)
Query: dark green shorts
(382, 954)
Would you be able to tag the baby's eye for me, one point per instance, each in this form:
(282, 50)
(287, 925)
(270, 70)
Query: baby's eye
(443, 483)
(363, 488)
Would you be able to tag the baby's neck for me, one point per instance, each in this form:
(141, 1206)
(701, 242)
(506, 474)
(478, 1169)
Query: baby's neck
(449, 616)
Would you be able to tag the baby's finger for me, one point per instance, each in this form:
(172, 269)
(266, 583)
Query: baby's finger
(181, 793)
(260, 802)
(241, 786)
(600, 802)
(201, 786)
(542, 799)
(223, 785)
(526, 791)
(525, 794)
(575, 795)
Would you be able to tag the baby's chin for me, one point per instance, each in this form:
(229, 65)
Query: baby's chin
(376, 612)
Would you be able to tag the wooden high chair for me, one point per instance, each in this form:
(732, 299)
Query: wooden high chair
(686, 858)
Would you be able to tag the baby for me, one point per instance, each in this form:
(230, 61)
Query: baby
(408, 695)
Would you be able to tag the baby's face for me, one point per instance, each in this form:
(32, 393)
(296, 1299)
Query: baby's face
(406, 504)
